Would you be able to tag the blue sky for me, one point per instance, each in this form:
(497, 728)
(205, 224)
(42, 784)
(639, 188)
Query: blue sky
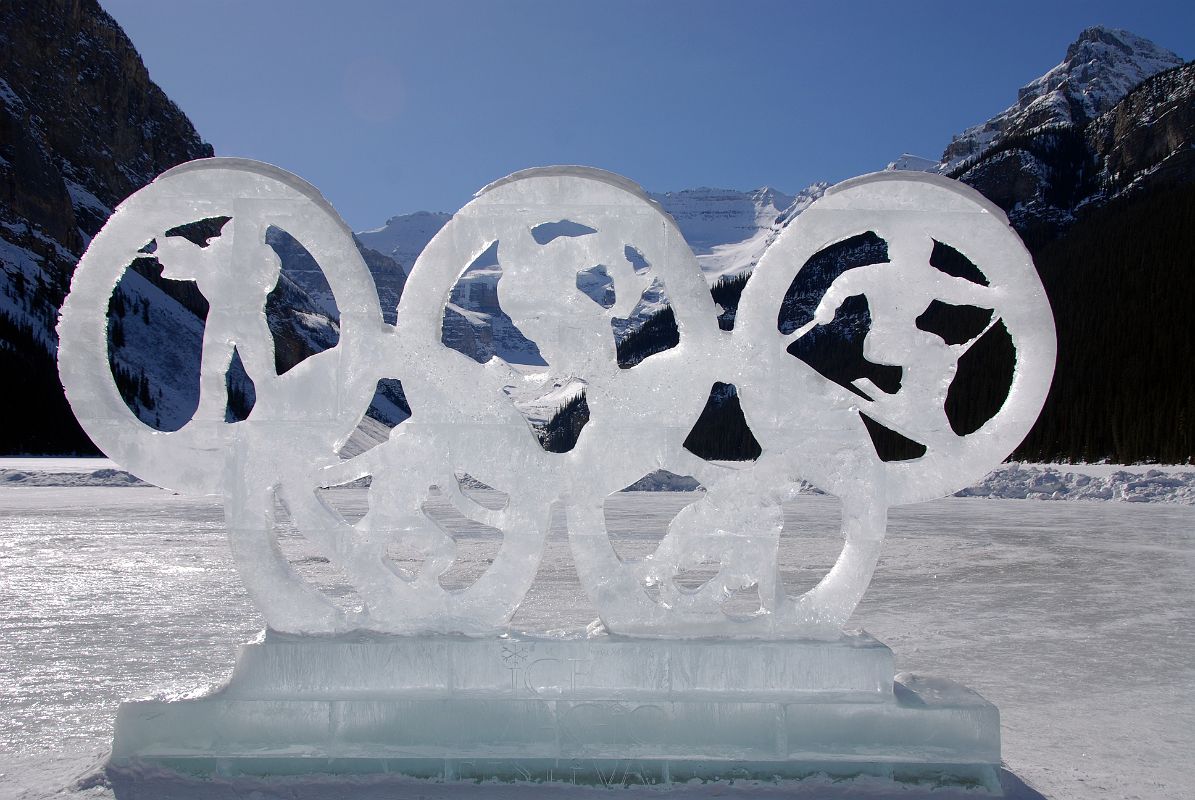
(392, 107)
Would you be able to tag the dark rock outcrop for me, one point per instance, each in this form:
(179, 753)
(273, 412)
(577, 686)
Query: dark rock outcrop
(1148, 139)
(93, 128)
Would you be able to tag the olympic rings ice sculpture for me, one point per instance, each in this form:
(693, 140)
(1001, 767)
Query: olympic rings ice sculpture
(464, 421)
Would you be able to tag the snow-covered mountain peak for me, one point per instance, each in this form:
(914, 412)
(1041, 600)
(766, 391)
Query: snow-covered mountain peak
(711, 217)
(729, 229)
(403, 237)
(1100, 68)
(908, 161)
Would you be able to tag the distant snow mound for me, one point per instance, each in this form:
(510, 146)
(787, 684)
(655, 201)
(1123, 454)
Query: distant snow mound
(99, 477)
(1172, 485)
(664, 481)
(1050, 482)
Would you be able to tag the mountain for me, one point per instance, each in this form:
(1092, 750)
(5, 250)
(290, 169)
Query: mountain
(1095, 166)
(81, 127)
(403, 237)
(1100, 68)
(1119, 278)
(1041, 159)
(729, 230)
(1147, 140)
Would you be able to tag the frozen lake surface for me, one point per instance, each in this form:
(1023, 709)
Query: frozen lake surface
(1077, 619)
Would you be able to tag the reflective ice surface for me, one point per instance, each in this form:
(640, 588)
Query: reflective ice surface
(1074, 618)
(577, 248)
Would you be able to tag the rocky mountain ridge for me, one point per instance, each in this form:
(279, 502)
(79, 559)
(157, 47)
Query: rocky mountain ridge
(1101, 66)
(1048, 158)
(404, 236)
(1148, 138)
(726, 228)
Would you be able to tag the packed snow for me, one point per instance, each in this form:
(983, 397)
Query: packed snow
(908, 161)
(729, 230)
(1138, 484)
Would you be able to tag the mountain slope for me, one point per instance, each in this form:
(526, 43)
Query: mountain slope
(1148, 138)
(1120, 281)
(1121, 284)
(729, 230)
(403, 237)
(81, 127)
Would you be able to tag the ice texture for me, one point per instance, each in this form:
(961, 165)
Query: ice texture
(535, 709)
(555, 232)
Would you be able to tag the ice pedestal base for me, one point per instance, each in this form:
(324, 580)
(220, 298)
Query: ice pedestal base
(595, 711)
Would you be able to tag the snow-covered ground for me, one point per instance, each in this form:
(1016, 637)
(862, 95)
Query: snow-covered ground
(1142, 483)
(1075, 618)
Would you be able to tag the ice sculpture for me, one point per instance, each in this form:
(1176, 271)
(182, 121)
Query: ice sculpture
(558, 233)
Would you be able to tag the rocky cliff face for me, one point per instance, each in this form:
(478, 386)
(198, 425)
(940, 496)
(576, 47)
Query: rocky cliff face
(1046, 178)
(78, 104)
(82, 126)
(1148, 138)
